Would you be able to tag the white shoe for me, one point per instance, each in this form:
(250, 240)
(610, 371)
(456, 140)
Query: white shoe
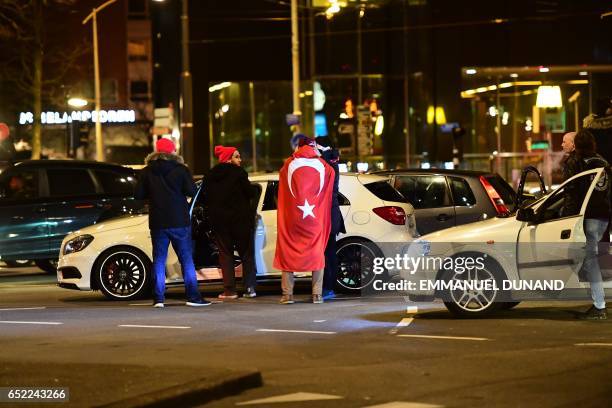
(158, 305)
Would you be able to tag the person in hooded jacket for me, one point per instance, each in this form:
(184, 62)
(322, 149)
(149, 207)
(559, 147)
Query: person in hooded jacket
(227, 199)
(596, 217)
(166, 183)
(600, 125)
(332, 157)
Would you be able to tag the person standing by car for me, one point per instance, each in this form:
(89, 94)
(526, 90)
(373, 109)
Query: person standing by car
(227, 199)
(305, 188)
(166, 183)
(331, 157)
(596, 217)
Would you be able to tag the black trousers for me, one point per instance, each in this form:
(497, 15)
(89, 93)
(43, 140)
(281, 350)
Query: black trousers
(331, 263)
(230, 235)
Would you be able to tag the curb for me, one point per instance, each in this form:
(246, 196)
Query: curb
(192, 393)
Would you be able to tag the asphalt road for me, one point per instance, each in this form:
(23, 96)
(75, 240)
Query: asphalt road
(348, 352)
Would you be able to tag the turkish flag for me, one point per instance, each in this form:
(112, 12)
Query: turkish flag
(305, 188)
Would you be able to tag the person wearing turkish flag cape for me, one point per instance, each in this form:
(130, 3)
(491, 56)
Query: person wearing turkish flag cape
(306, 184)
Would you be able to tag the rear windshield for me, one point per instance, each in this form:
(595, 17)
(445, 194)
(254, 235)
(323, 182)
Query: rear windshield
(386, 192)
(503, 189)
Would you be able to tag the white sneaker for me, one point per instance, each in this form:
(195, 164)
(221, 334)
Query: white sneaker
(158, 305)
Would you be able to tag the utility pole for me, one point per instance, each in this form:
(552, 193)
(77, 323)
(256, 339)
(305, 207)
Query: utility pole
(98, 125)
(186, 102)
(295, 60)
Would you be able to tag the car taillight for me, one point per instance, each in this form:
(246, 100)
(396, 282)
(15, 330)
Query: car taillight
(498, 202)
(395, 215)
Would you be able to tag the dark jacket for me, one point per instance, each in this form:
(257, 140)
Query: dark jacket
(599, 203)
(227, 195)
(601, 128)
(166, 182)
(331, 156)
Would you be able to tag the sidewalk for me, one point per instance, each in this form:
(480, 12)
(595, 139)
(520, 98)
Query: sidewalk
(129, 386)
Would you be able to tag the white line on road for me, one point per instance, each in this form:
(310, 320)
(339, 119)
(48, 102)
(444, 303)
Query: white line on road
(144, 326)
(594, 344)
(295, 331)
(412, 309)
(20, 322)
(403, 404)
(405, 322)
(423, 336)
(23, 308)
(295, 397)
(319, 321)
(151, 304)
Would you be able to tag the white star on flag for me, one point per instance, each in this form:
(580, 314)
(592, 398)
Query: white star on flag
(307, 209)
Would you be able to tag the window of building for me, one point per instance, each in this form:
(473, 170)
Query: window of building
(137, 8)
(139, 90)
(137, 50)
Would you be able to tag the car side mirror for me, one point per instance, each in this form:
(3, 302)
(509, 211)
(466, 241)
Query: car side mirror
(526, 214)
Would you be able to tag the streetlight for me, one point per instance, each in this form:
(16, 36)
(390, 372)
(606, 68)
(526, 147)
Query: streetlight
(77, 102)
(94, 17)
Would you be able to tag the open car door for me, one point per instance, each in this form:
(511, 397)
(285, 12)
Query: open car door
(551, 242)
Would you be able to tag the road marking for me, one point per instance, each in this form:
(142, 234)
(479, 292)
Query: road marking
(412, 309)
(405, 322)
(295, 397)
(23, 308)
(319, 321)
(295, 331)
(144, 326)
(403, 404)
(20, 322)
(594, 344)
(423, 336)
(151, 304)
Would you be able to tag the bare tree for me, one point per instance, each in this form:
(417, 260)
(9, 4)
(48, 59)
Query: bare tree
(37, 63)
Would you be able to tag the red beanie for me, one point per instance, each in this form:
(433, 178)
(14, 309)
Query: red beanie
(164, 145)
(4, 131)
(224, 153)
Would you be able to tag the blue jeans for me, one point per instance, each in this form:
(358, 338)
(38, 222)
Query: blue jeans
(181, 242)
(594, 230)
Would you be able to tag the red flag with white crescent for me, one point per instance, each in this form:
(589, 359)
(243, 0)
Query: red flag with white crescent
(305, 188)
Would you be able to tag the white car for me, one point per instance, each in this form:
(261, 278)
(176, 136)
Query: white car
(115, 256)
(537, 244)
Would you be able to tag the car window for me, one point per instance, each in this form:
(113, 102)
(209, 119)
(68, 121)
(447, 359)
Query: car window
(462, 193)
(385, 191)
(20, 185)
(271, 197)
(70, 183)
(342, 200)
(424, 191)
(554, 207)
(116, 183)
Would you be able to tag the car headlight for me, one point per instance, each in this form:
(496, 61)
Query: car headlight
(77, 244)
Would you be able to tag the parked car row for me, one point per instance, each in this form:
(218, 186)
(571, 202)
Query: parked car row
(86, 213)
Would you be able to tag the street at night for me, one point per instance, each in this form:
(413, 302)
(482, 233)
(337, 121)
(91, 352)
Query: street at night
(347, 352)
(305, 203)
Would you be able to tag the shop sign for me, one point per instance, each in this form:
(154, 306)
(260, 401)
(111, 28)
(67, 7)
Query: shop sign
(58, 118)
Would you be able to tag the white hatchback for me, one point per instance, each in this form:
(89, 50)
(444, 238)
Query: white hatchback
(115, 256)
(530, 251)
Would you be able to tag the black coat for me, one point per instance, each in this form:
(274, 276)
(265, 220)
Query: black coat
(332, 156)
(228, 194)
(599, 203)
(166, 183)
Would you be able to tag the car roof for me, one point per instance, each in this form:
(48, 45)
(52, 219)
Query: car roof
(364, 178)
(68, 163)
(457, 172)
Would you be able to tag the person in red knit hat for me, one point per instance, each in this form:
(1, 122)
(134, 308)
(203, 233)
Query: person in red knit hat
(228, 201)
(166, 183)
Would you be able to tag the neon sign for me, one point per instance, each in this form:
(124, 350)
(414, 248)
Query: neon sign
(58, 118)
